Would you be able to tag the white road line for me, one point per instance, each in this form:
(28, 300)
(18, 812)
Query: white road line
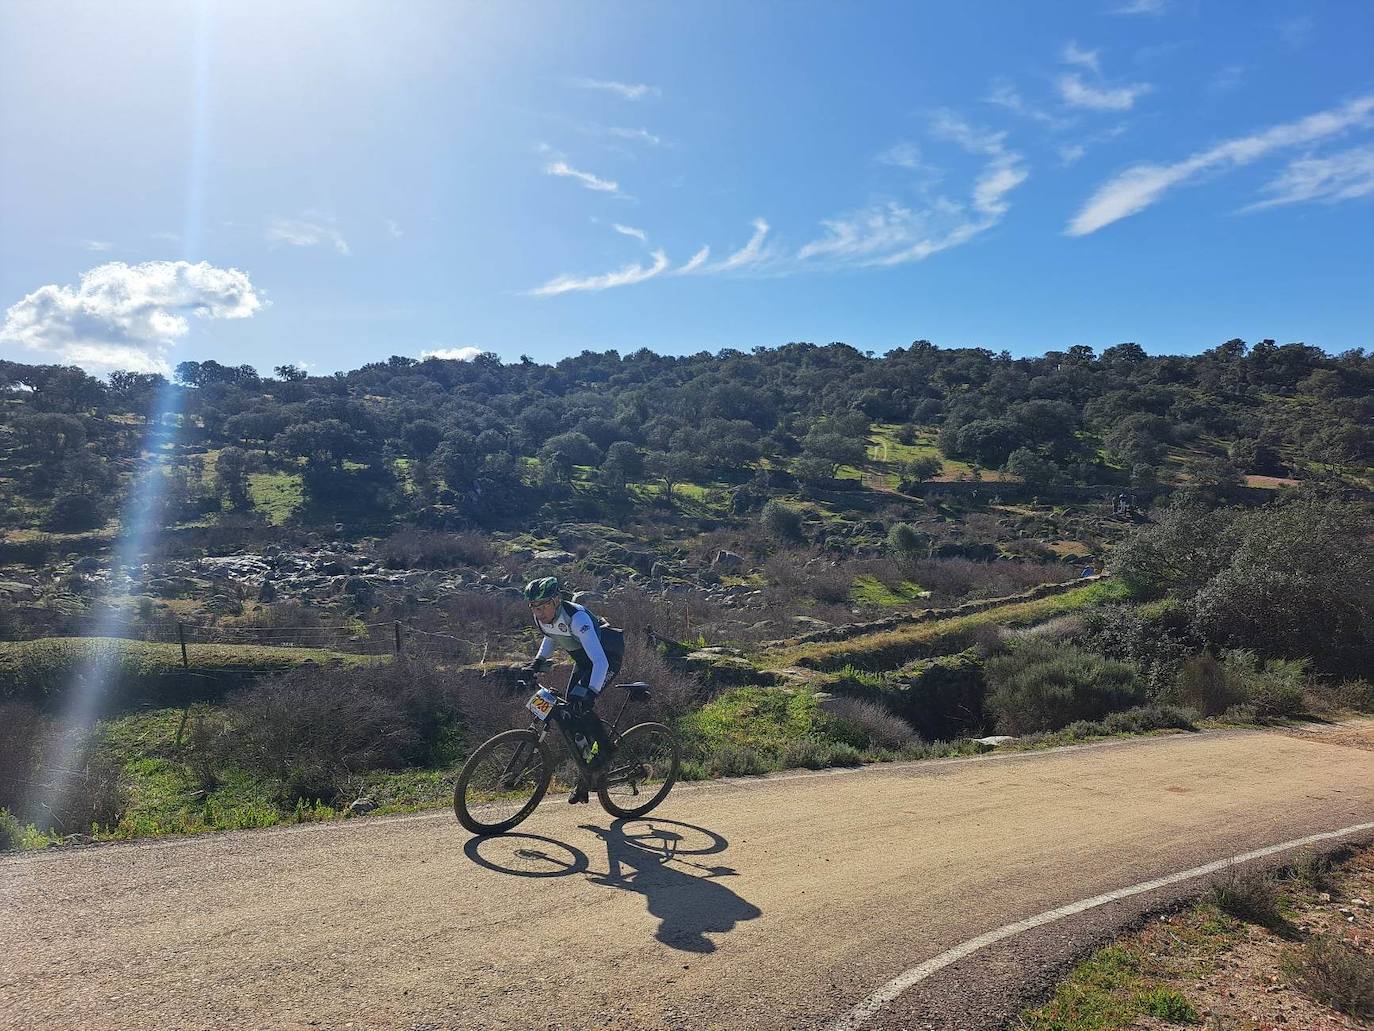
(865, 1011)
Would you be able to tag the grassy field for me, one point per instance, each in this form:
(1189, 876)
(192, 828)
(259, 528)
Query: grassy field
(278, 496)
(48, 666)
(891, 649)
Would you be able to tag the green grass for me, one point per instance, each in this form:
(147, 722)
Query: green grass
(869, 590)
(894, 648)
(47, 666)
(278, 496)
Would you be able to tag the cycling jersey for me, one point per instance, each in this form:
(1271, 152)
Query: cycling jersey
(575, 629)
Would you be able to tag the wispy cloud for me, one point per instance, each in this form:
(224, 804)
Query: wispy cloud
(901, 155)
(1328, 180)
(628, 90)
(625, 276)
(591, 182)
(750, 254)
(127, 316)
(638, 234)
(697, 260)
(1071, 153)
(311, 230)
(892, 233)
(394, 228)
(1142, 185)
(1140, 7)
(1074, 54)
(1003, 94)
(1077, 93)
(638, 135)
(97, 245)
(452, 354)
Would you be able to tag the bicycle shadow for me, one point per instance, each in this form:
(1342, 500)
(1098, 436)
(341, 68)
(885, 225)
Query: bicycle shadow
(526, 855)
(688, 904)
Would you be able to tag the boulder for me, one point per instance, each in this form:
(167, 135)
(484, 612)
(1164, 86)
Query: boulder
(727, 561)
(554, 556)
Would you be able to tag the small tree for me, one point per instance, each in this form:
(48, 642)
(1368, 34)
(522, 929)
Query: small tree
(231, 475)
(919, 470)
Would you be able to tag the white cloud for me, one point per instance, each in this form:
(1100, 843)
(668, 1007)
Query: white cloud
(127, 316)
(697, 260)
(311, 230)
(1004, 94)
(628, 90)
(638, 234)
(1142, 185)
(892, 233)
(1074, 54)
(1330, 179)
(750, 254)
(97, 245)
(1295, 31)
(394, 228)
(625, 276)
(1071, 153)
(452, 354)
(1077, 93)
(901, 155)
(591, 182)
(640, 135)
(1140, 7)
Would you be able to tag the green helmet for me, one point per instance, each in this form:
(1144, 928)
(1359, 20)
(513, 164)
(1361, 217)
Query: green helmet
(543, 589)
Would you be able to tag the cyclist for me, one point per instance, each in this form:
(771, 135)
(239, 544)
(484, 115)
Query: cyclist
(596, 649)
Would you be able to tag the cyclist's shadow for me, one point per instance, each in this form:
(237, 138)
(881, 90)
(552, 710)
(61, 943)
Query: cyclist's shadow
(688, 897)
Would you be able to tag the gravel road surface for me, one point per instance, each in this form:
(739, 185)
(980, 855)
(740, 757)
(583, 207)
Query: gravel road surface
(774, 903)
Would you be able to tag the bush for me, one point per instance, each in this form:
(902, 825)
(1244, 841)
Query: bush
(938, 698)
(1242, 715)
(808, 754)
(73, 512)
(1040, 686)
(879, 724)
(728, 760)
(781, 522)
(11, 832)
(1334, 973)
(1252, 897)
(1149, 717)
(1203, 683)
(410, 548)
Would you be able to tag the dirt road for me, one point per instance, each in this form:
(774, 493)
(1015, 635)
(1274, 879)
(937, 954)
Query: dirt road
(776, 903)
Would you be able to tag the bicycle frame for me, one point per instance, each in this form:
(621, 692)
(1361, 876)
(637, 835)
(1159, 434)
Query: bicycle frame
(518, 761)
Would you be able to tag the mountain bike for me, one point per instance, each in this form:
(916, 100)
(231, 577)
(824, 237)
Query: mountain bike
(503, 781)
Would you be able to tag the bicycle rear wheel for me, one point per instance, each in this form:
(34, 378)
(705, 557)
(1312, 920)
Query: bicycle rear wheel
(502, 782)
(641, 772)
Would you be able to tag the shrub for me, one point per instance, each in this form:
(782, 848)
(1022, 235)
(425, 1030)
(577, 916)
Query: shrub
(1203, 683)
(1243, 714)
(938, 698)
(1312, 871)
(1149, 717)
(905, 541)
(880, 725)
(728, 760)
(11, 832)
(1252, 897)
(808, 753)
(781, 522)
(410, 548)
(75, 511)
(1334, 973)
(1039, 686)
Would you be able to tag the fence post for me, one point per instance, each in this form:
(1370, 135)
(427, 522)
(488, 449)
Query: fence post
(181, 636)
(397, 627)
(186, 664)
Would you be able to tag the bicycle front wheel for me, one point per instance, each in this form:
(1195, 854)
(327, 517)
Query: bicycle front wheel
(502, 782)
(642, 770)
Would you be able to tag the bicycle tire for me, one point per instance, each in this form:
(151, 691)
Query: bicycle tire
(471, 813)
(638, 738)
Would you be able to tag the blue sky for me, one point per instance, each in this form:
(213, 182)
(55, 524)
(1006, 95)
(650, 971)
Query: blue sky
(330, 184)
